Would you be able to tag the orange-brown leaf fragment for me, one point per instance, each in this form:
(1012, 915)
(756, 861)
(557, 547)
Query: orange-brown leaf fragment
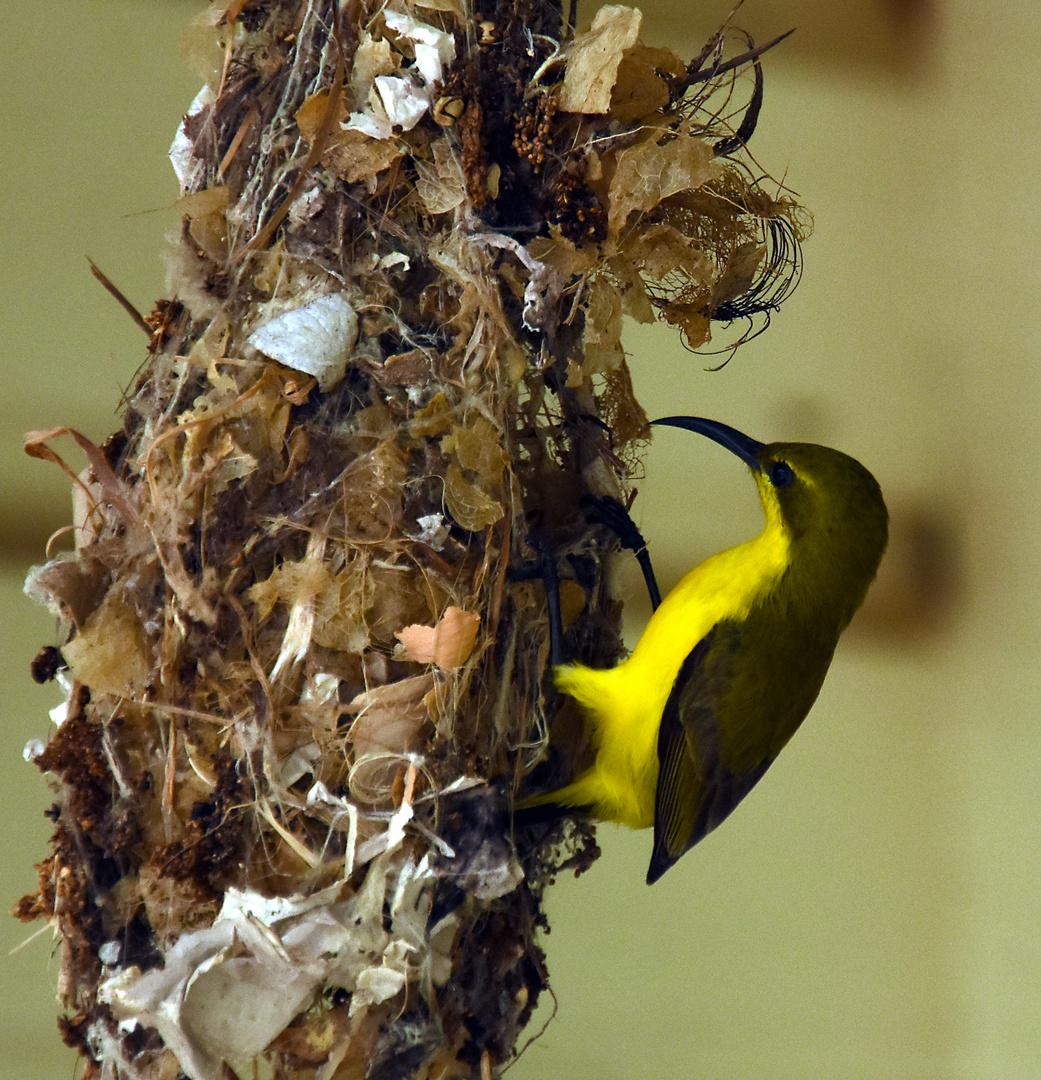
(448, 644)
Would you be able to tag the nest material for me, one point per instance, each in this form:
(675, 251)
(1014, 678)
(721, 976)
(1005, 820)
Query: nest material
(304, 676)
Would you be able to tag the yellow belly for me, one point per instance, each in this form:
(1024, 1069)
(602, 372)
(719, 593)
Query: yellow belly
(623, 705)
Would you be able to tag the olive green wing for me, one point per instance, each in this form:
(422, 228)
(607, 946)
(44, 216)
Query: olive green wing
(696, 790)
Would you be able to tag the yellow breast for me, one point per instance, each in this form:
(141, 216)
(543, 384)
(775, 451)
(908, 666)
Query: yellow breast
(624, 704)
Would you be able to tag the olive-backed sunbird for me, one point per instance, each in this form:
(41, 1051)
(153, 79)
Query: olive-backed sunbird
(732, 660)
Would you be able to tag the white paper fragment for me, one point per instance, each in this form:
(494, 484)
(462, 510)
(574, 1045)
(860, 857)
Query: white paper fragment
(246, 903)
(464, 783)
(376, 127)
(319, 795)
(60, 713)
(34, 747)
(317, 338)
(434, 48)
(497, 878)
(226, 991)
(401, 100)
(240, 998)
(182, 151)
(375, 985)
(434, 530)
(394, 260)
(299, 762)
(323, 688)
(109, 953)
(396, 828)
(106, 1044)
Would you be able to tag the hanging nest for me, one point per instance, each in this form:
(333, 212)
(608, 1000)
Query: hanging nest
(305, 666)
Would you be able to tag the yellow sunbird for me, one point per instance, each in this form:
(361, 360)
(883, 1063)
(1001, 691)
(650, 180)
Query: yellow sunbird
(732, 660)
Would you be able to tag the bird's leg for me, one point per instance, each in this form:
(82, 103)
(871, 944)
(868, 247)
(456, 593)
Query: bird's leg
(545, 567)
(610, 513)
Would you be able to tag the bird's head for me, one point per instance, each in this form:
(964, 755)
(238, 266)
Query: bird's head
(826, 502)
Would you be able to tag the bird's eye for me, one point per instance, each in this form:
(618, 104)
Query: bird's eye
(781, 474)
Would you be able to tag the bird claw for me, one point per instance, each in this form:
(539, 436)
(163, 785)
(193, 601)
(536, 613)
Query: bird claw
(609, 512)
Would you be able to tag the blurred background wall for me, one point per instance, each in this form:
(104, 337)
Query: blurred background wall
(873, 910)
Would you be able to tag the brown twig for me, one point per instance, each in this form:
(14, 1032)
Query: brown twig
(123, 302)
(694, 76)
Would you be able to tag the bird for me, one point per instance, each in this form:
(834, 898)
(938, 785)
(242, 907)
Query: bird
(731, 661)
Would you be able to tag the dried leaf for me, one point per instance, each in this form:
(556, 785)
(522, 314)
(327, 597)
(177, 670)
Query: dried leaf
(389, 724)
(354, 156)
(651, 170)
(435, 418)
(639, 90)
(621, 409)
(372, 492)
(111, 653)
(413, 368)
(291, 583)
(594, 58)
(340, 615)
(468, 504)
(201, 49)
(389, 716)
(448, 644)
(474, 475)
(603, 329)
(70, 588)
(739, 273)
(373, 57)
(348, 153)
(692, 319)
(660, 250)
(207, 212)
(441, 186)
(478, 450)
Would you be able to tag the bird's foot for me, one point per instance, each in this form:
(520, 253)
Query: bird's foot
(545, 568)
(609, 512)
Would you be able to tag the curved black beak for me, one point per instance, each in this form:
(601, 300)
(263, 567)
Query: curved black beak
(747, 449)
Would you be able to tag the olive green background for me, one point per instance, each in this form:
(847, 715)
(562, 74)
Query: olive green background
(873, 911)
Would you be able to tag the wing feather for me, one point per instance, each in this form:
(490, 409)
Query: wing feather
(696, 791)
